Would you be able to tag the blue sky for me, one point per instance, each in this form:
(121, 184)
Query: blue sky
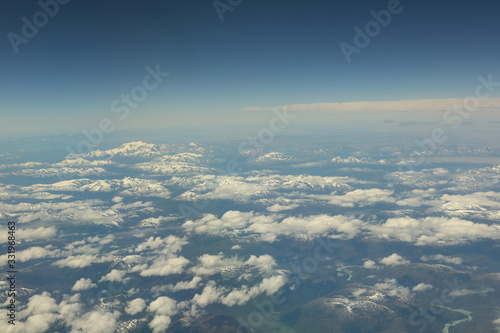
(263, 54)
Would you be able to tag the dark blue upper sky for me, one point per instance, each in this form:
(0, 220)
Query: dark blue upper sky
(264, 53)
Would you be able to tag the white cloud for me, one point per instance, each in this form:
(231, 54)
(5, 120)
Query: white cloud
(443, 258)
(392, 288)
(422, 287)
(261, 185)
(379, 106)
(42, 312)
(418, 197)
(166, 261)
(434, 230)
(394, 260)
(135, 306)
(210, 294)
(168, 245)
(496, 323)
(265, 263)
(38, 233)
(268, 227)
(36, 252)
(160, 323)
(369, 264)
(115, 276)
(467, 292)
(279, 208)
(231, 220)
(96, 322)
(165, 265)
(81, 261)
(213, 264)
(186, 285)
(241, 296)
(83, 284)
(361, 198)
(476, 200)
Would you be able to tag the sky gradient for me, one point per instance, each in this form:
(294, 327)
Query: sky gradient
(261, 55)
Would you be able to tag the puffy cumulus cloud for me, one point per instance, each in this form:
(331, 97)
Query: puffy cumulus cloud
(135, 306)
(42, 313)
(230, 221)
(238, 190)
(39, 304)
(392, 288)
(268, 227)
(165, 260)
(160, 323)
(186, 285)
(422, 287)
(212, 264)
(210, 294)
(82, 260)
(264, 263)
(369, 264)
(473, 201)
(163, 309)
(339, 226)
(359, 292)
(95, 322)
(209, 264)
(278, 208)
(418, 197)
(164, 305)
(114, 276)
(165, 265)
(37, 252)
(101, 241)
(227, 187)
(426, 178)
(443, 258)
(94, 215)
(361, 198)
(83, 284)
(38, 233)
(260, 184)
(496, 323)
(394, 260)
(241, 296)
(168, 245)
(434, 230)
